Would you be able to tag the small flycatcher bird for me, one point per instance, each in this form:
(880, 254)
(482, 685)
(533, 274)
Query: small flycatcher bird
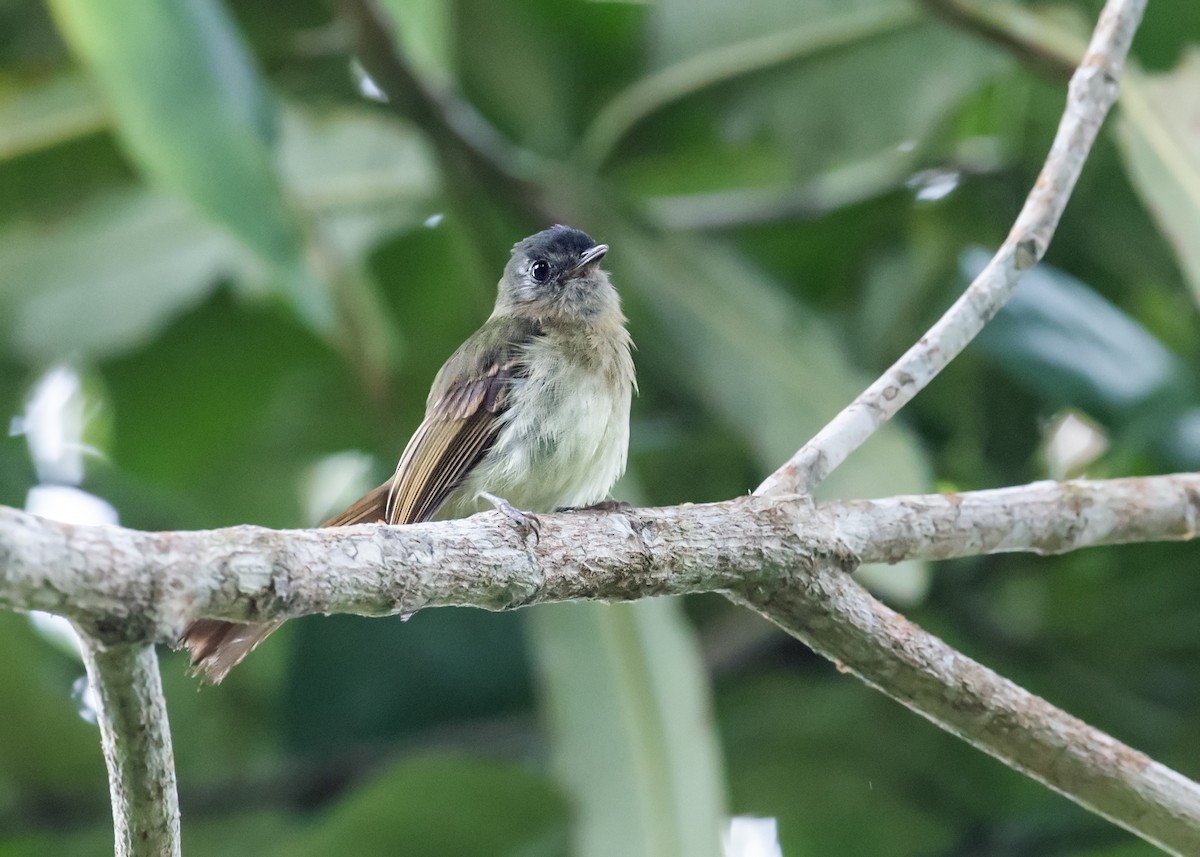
(532, 410)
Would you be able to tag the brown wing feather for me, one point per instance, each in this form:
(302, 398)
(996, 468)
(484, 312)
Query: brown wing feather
(458, 430)
(370, 509)
(461, 423)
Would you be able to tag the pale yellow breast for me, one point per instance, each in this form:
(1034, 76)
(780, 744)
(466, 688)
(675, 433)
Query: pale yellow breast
(565, 434)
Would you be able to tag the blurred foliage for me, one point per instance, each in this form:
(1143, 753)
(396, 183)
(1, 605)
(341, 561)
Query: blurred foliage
(257, 270)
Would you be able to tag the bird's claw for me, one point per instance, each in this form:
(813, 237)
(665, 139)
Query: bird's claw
(526, 522)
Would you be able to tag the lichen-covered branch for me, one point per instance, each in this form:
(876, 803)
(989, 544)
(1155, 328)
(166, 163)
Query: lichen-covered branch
(130, 586)
(1043, 518)
(787, 558)
(1092, 92)
(132, 715)
(838, 619)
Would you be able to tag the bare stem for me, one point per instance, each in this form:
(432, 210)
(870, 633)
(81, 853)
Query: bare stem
(1092, 92)
(1043, 518)
(137, 747)
(1044, 48)
(835, 617)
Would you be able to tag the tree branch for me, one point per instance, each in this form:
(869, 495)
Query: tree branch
(786, 558)
(1092, 92)
(137, 746)
(133, 587)
(838, 619)
(1042, 518)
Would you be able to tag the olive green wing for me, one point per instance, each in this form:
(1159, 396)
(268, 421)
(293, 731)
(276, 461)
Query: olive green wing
(462, 419)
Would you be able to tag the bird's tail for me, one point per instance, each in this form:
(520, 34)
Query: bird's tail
(216, 646)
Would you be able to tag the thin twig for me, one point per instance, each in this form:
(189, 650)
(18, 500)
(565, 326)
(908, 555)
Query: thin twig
(1043, 518)
(469, 148)
(1092, 92)
(1019, 30)
(132, 714)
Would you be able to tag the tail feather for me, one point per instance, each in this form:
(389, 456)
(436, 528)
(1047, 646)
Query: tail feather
(216, 646)
(369, 510)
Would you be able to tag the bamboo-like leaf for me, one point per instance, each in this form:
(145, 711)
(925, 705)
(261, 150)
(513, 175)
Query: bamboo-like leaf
(634, 744)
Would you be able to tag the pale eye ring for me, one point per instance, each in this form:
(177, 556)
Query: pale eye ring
(540, 271)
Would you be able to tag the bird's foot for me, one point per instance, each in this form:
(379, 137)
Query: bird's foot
(526, 522)
(602, 506)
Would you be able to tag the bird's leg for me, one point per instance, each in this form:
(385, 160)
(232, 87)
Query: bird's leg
(526, 522)
(602, 506)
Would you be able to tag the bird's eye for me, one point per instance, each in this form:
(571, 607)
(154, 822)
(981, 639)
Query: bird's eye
(540, 271)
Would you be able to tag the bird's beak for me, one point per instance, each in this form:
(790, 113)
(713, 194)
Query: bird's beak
(588, 260)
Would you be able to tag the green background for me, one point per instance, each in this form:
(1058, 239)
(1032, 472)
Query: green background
(255, 271)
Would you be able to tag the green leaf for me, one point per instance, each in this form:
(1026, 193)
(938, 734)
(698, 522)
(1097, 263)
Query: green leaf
(627, 701)
(36, 116)
(46, 745)
(541, 70)
(423, 31)
(1062, 339)
(441, 805)
(683, 29)
(194, 115)
(106, 276)
(113, 269)
(1168, 28)
(443, 666)
(361, 173)
(1157, 134)
(812, 86)
(847, 771)
(254, 398)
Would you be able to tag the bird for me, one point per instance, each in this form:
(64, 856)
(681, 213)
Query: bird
(530, 414)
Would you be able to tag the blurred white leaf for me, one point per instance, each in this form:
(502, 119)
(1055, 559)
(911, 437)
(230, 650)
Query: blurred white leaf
(55, 423)
(70, 505)
(1072, 442)
(752, 837)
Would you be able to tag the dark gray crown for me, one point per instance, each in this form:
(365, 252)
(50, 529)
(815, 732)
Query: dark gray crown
(558, 241)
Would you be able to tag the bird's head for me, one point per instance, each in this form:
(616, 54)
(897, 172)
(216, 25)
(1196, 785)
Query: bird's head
(556, 275)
